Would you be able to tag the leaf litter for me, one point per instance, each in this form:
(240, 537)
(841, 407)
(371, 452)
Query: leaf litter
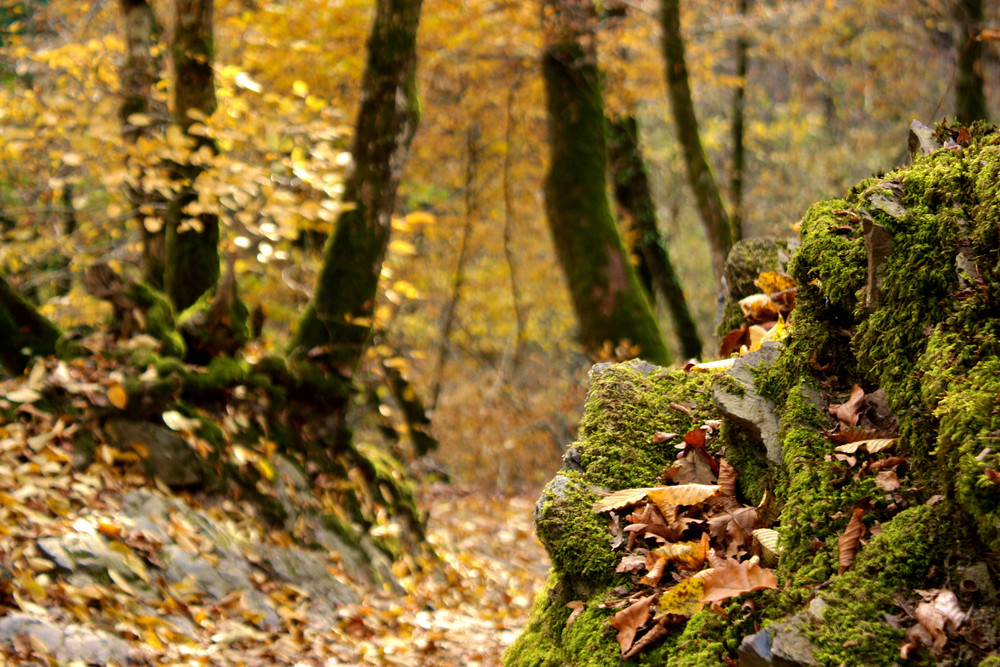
(463, 607)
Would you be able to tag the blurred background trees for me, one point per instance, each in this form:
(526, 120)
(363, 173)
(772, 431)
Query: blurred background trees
(472, 305)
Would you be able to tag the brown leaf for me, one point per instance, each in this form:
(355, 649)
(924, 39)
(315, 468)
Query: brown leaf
(662, 628)
(691, 470)
(887, 480)
(992, 475)
(620, 499)
(759, 308)
(734, 340)
(940, 616)
(660, 437)
(687, 555)
(849, 411)
(727, 479)
(847, 543)
(629, 620)
(733, 529)
(731, 578)
(631, 563)
(577, 607)
(652, 577)
(683, 494)
(888, 462)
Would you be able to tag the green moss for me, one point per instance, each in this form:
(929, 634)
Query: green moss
(625, 408)
(160, 320)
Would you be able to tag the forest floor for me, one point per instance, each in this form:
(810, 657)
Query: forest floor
(471, 607)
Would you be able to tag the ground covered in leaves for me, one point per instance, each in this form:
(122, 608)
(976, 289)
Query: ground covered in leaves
(101, 564)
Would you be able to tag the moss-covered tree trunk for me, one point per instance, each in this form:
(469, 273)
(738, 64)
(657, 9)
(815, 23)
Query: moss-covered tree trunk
(635, 203)
(137, 77)
(607, 297)
(338, 320)
(708, 199)
(24, 332)
(970, 98)
(192, 241)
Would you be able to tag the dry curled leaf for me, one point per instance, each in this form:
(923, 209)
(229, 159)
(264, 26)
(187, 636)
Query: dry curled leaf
(731, 578)
(682, 494)
(871, 446)
(620, 499)
(847, 543)
(577, 609)
(628, 621)
(767, 538)
(887, 480)
(727, 479)
(849, 411)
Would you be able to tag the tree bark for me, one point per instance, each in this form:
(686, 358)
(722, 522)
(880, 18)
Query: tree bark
(609, 302)
(137, 77)
(338, 320)
(703, 185)
(192, 241)
(970, 98)
(738, 147)
(630, 179)
(24, 332)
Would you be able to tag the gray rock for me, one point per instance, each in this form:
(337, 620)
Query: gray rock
(782, 644)
(308, 570)
(878, 247)
(72, 643)
(754, 413)
(921, 139)
(554, 491)
(170, 457)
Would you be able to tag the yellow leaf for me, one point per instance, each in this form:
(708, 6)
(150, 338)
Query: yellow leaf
(117, 396)
(681, 494)
(684, 599)
(619, 499)
(300, 88)
(23, 395)
(139, 120)
(770, 282)
(399, 247)
(72, 159)
(420, 218)
(871, 446)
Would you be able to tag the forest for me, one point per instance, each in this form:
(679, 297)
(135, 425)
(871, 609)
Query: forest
(441, 332)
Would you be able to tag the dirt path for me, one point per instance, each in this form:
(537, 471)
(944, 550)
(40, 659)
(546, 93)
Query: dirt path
(467, 611)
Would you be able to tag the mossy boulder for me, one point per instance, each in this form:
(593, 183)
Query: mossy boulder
(898, 293)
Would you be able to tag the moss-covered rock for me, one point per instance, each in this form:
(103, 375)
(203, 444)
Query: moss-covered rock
(899, 293)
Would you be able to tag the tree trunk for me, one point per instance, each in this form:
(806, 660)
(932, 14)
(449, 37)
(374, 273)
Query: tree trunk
(703, 185)
(635, 202)
(609, 302)
(738, 148)
(970, 98)
(24, 332)
(192, 241)
(338, 320)
(138, 75)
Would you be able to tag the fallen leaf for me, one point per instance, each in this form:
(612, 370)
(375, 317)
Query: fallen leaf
(652, 578)
(887, 480)
(727, 479)
(117, 396)
(767, 538)
(22, 395)
(849, 411)
(759, 308)
(938, 617)
(684, 599)
(770, 282)
(731, 578)
(713, 366)
(577, 607)
(682, 494)
(629, 620)
(871, 446)
(847, 543)
(620, 499)
(734, 340)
